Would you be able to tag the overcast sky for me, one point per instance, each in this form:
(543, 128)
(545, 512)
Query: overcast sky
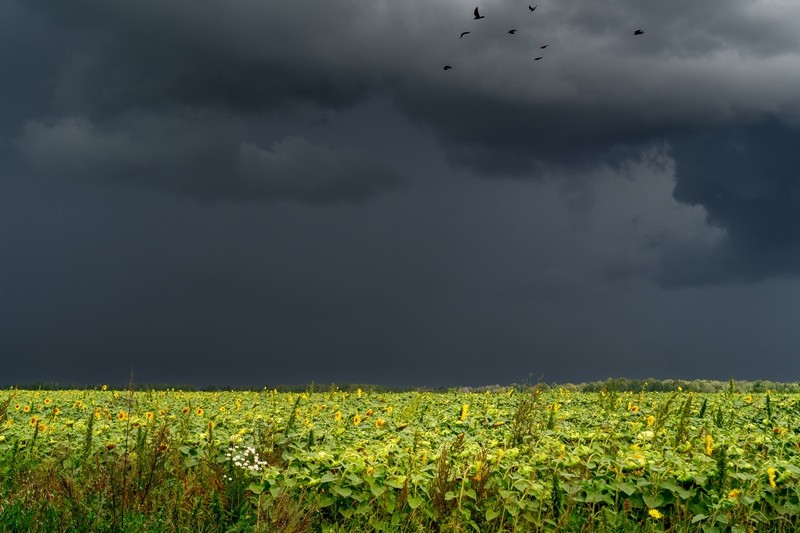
(251, 192)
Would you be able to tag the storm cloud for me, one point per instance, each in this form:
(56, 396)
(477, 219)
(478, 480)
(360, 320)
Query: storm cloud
(338, 191)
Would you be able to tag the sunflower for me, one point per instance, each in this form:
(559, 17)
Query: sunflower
(199, 411)
(771, 477)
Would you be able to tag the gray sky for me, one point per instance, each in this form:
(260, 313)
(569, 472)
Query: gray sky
(242, 192)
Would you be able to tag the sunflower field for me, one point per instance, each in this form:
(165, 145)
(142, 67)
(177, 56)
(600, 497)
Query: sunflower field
(516, 459)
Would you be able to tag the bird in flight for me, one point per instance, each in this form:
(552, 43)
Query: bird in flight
(463, 33)
(534, 7)
(537, 58)
(447, 67)
(512, 32)
(478, 15)
(638, 32)
(544, 46)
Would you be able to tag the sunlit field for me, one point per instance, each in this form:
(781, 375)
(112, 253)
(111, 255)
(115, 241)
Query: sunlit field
(506, 459)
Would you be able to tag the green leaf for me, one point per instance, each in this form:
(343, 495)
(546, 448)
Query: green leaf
(491, 514)
(354, 479)
(698, 517)
(255, 488)
(327, 477)
(414, 501)
(344, 492)
(675, 489)
(377, 490)
(513, 510)
(627, 488)
(653, 501)
(396, 481)
(325, 501)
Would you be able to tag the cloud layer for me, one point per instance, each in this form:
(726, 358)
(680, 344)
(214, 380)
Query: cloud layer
(171, 94)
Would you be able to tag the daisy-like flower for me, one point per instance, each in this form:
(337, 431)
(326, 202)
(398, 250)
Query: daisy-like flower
(199, 411)
(651, 420)
(47, 401)
(338, 416)
(26, 409)
(368, 413)
(709, 444)
(734, 494)
(148, 415)
(748, 398)
(464, 411)
(122, 416)
(185, 410)
(56, 411)
(379, 423)
(655, 513)
(356, 420)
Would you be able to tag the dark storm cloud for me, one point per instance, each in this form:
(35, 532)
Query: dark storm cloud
(747, 179)
(203, 156)
(167, 93)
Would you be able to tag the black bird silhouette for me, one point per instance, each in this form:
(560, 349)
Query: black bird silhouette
(447, 67)
(534, 7)
(537, 58)
(463, 33)
(544, 46)
(512, 32)
(478, 15)
(638, 32)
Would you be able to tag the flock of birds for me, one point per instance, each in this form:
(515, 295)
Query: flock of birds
(478, 16)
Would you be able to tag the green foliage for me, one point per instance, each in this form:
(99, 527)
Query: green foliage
(326, 459)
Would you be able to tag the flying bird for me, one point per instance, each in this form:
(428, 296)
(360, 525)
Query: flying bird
(447, 67)
(478, 15)
(534, 7)
(638, 32)
(537, 58)
(463, 33)
(512, 32)
(544, 46)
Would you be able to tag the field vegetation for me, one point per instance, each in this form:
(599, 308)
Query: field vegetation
(698, 456)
